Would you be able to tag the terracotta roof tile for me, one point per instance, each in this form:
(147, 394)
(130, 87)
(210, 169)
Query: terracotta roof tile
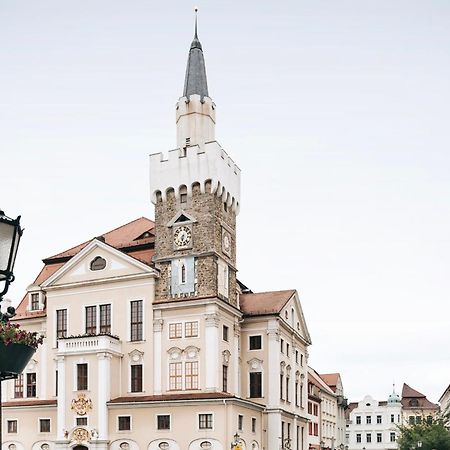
(122, 236)
(169, 397)
(264, 302)
(19, 403)
(331, 379)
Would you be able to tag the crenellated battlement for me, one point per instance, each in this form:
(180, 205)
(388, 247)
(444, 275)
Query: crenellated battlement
(185, 167)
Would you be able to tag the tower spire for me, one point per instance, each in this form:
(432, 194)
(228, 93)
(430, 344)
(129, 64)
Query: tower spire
(195, 81)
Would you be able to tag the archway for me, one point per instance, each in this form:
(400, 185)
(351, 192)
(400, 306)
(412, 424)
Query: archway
(80, 447)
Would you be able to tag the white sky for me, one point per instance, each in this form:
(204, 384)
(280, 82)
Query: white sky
(337, 113)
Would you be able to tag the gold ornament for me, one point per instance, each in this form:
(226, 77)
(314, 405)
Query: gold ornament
(80, 435)
(81, 405)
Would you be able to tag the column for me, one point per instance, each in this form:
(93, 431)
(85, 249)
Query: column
(157, 356)
(43, 372)
(104, 393)
(61, 398)
(212, 351)
(236, 361)
(273, 366)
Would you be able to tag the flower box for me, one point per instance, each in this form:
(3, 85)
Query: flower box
(14, 358)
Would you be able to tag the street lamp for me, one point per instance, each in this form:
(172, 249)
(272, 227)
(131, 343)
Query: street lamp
(10, 234)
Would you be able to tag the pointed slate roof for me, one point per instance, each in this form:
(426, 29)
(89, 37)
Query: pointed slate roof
(195, 81)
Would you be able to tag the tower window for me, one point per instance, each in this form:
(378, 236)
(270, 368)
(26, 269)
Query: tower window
(183, 273)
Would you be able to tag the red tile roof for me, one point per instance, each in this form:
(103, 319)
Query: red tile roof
(412, 399)
(175, 397)
(408, 391)
(124, 238)
(19, 403)
(331, 379)
(264, 302)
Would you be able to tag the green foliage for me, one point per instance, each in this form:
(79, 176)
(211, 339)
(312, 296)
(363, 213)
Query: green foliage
(432, 434)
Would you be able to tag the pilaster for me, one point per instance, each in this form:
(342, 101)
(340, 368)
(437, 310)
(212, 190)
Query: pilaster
(236, 360)
(212, 351)
(157, 356)
(273, 385)
(104, 393)
(61, 399)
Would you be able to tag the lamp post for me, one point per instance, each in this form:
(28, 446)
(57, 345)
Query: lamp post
(10, 234)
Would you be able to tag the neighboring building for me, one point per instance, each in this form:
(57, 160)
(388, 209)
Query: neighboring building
(324, 407)
(445, 400)
(334, 381)
(416, 407)
(151, 341)
(373, 424)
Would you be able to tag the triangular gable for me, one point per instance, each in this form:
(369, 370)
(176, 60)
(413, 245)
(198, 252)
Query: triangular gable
(77, 269)
(181, 217)
(299, 325)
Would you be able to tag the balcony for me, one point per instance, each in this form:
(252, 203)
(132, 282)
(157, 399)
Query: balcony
(90, 344)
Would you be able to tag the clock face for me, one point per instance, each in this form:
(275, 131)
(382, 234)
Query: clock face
(182, 236)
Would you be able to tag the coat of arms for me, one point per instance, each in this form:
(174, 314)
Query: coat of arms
(81, 405)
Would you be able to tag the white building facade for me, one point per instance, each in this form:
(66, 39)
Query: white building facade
(151, 342)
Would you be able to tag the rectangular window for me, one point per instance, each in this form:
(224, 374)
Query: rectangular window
(378, 419)
(191, 378)
(287, 349)
(61, 323)
(310, 428)
(281, 386)
(253, 425)
(175, 376)
(124, 423)
(240, 422)
(175, 330)
(163, 422)
(91, 320)
(282, 345)
(56, 383)
(296, 356)
(358, 420)
(309, 408)
(18, 386)
(81, 421)
(379, 437)
(136, 378)
(136, 320)
(412, 420)
(255, 385)
(225, 378)
(368, 420)
(392, 436)
(358, 437)
(82, 377)
(31, 384)
(301, 360)
(316, 410)
(34, 302)
(225, 333)
(418, 419)
(316, 429)
(12, 426)
(44, 425)
(205, 421)
(368, 438)
(392, 418)
(287, 388)
(191, 329)
(296, 394)
(105, 319)
(255, 342)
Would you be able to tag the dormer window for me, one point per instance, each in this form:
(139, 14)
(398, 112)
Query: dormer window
(34, 304)
(98, 263)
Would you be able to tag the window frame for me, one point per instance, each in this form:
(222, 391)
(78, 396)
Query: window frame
(157, 423)
(250, 349)
(261, 384)
(130, 422)
(32, 385)
(78, 377)
(10, 421)
(41, 420)
(139, 324)
(212, 421)
(139, 380)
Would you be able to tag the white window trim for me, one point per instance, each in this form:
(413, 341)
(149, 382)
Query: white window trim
(137, 363)
(262, 383)
(75, 375)
(40, 300)
(255, 349)
(213, 421)
(183, 362)
(11, 419)
(97, 315)
(117, 423)
(66, 307)
(39, 425)
(25, 384)
(156, 422)
(80, 417)
(144, 321)
(183, 329)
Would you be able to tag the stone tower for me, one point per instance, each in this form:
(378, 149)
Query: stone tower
(196, 193)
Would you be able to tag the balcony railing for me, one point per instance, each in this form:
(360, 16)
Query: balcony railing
(90, 344)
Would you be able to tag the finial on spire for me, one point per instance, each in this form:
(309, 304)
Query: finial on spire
(196, 16)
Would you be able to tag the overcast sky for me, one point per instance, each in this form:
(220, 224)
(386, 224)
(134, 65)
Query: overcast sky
(337, 113)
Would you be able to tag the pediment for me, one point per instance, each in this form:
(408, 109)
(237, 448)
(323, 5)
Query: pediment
(296, 321)
(181, 217)
(97, 261)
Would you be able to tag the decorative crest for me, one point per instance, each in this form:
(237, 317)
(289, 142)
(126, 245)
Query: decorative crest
(81, 405)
